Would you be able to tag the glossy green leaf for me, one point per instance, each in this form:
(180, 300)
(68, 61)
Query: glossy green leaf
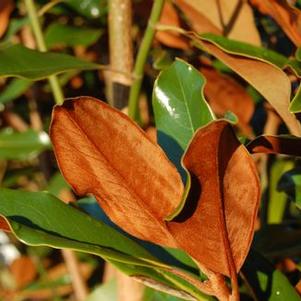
(91, 9)
(277, 199)
(290, 184)
(14, 89)
(38, 218)
(15, 145)
(23, 62)
(65, 35)
(180, 108)
(267, 283)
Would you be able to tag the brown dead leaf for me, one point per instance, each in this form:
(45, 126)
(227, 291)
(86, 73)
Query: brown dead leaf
(23, 270)
(288, 17)
(285, 145)
(232, 18)
(267, 79)
(101, 151)
(170, 17)
(221, 209)
(6, 7)
(226, 94)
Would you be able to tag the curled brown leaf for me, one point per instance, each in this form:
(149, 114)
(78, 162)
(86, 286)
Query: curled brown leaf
(268, 144)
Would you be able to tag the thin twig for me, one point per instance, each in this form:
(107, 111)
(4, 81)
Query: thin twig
(121, 52)
(142, 56)
(36, 27)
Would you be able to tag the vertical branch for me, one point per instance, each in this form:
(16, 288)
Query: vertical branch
(142, 56)
(121, 51)
(37, 31)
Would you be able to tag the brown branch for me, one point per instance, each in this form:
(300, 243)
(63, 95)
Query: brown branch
(121, 52)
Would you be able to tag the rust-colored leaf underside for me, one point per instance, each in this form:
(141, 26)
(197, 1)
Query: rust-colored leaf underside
(101, 151)
(224, 178)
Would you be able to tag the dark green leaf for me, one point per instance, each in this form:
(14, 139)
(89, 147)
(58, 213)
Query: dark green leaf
(15, 145)
(20, 61)
(180, 108)
(65, 35)
(38, 218)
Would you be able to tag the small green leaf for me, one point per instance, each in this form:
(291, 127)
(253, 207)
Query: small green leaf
(38, 218)
(14, 89)
(65, 35)
(20, 146)
(180, 108)
(23, 62)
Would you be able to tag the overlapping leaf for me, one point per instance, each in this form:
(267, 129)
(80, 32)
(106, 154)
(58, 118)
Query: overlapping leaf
(268, 144)
(266, 78)
(138, 187)
(130, 176)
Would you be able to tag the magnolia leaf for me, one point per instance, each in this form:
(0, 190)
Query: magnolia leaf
(19, 61)
(101, 151)
(64, 35)
(268, 144)
(130, 176)
(266, 78)
(180, 108)
(221, 208)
